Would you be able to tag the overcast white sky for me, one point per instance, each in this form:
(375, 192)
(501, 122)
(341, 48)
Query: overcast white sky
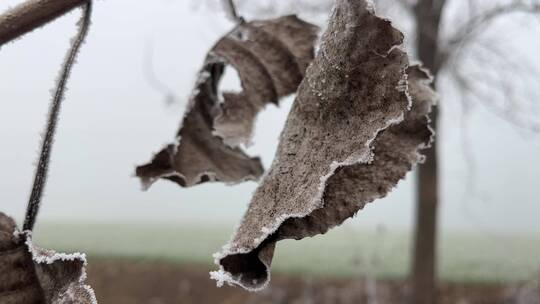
(114, 119)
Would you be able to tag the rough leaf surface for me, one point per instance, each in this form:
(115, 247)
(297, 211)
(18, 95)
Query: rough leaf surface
(271, 58)
(31, 275)
(355, 130)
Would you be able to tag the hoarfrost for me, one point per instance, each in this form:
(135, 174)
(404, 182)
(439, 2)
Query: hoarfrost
(47, 276)
(271, 59)
(355, 129)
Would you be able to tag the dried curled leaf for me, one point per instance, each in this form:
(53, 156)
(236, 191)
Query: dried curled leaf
(271, 58)
(29, 274)
(353, 132)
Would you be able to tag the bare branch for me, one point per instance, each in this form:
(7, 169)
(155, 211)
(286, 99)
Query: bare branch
(230, 8)
(153, 79)
(472, 27)
(480, 86)
(42, 169)
(31, 15)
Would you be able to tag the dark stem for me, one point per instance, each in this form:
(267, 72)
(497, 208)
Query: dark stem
(231, 11)
(42, 169)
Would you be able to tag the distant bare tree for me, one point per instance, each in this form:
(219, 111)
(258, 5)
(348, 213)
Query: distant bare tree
(482, 69)
(455, 40)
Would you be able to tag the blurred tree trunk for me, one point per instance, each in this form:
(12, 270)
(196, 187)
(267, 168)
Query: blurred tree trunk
(424, 259)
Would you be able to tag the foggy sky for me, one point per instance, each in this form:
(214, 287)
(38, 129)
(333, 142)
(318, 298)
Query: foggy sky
(114, 119)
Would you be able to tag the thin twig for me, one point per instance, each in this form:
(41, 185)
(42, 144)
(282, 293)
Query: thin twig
(42, 169)
(230, 8)
(466, 33)
(31, 15)
(153, 80)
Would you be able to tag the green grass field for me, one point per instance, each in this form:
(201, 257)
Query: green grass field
(345, 251)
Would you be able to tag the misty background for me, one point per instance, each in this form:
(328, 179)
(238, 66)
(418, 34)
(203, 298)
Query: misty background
(116, 115)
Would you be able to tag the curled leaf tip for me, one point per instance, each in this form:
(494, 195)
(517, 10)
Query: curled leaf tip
(271, 58)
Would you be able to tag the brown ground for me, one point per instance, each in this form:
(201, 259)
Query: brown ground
(130, 282)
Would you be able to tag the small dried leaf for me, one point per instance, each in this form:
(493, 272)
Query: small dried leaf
(271, 58)
(352, 134)
(29, 274)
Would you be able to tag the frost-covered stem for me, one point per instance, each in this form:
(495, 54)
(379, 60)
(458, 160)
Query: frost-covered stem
(31, 15)
(230, 8)
(40, 177)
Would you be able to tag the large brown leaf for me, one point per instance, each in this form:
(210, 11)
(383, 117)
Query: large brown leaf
(31, 275)
(271, 58)
(353, 132)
